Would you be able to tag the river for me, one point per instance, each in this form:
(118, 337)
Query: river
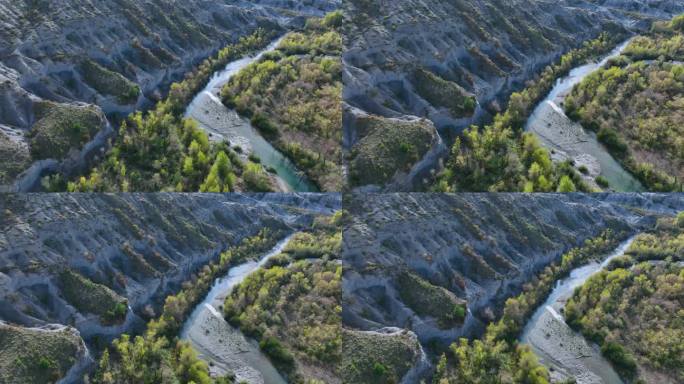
(222, 123)
(568, 139)
(223, 346)
(566, 352)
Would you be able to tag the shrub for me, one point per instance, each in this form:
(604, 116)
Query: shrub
(264, 124)
(256, 179)
(610, 138)
(566, 185)
(678, 23)
(602, 182)
(624, 361)
(273, 348)
(624, 261)
(459, 313)
(379, 369)
(333, 19)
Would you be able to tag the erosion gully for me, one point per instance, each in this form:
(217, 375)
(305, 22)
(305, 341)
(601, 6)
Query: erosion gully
(568, 139)
(223, 123)
(224, 347)
(566, 352)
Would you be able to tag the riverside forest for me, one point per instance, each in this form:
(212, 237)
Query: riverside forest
(129, 96)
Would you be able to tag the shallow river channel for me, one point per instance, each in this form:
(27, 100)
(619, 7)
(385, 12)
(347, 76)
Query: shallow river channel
(222, 123)
(220, 344)
(566, 352)
(568, 139)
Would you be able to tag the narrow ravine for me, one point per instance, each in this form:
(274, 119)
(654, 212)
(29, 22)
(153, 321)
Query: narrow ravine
(224, 347)
(566, 352)
(222, 123)
(568, 139)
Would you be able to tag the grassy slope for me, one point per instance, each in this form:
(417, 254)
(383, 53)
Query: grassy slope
(16, 159)
(387, 148)
(33, 356)
(444, 93)
(91, 297)
(431, 300)
(61, 127)
(109, 82)
(378, 359)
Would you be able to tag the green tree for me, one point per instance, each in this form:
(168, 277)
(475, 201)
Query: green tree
(255, 178)
(678, 23)
(680, 219)
(221, 177)
(190, 369)
(566, 185)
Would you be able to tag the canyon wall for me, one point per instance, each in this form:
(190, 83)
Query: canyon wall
(111, 56)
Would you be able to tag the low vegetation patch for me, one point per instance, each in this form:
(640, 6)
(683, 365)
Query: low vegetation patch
(62, 127)
(109, 82)
(390, 146)
(444, 93)
(91, 297)
(322, 243)
(370, 358)
(36, 356)
(667, 242)
(427, 299)
(16, 159)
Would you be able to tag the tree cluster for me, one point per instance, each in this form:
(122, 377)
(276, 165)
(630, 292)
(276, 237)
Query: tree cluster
(501, 157)
(160, 150)
(633, 308)
(293, 97)
(635, 104)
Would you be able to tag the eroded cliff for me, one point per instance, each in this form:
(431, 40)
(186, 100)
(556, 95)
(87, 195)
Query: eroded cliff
(112, 56)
